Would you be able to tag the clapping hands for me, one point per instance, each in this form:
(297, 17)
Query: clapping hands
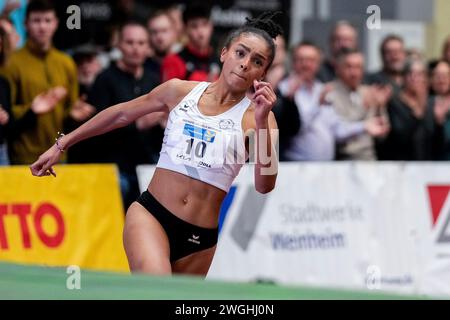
(47, 101)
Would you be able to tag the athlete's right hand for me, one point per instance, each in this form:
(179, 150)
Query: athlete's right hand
(44, 165)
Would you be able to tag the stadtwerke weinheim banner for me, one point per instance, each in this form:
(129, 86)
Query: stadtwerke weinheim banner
(356, 225)
(74, 219)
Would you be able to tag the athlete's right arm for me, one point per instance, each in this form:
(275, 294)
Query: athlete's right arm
(159, 99)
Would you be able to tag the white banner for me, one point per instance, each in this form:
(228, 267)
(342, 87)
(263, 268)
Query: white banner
(380, 226)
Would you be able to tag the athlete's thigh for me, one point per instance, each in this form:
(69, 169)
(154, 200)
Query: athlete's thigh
(145, 242)
(197, 263)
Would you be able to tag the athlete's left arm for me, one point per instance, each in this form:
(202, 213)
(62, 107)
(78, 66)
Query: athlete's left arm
(266, 157)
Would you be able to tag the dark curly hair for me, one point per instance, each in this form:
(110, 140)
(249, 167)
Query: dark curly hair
(263, 26)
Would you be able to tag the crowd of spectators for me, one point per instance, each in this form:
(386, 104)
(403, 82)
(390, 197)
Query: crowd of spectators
(53, 79)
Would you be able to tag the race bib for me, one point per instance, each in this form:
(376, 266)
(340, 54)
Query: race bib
(197, 145)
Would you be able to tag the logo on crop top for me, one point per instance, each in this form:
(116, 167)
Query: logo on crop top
(194, 239)
(203, 134)
(185, 107)
(226, 124)
(204, 164)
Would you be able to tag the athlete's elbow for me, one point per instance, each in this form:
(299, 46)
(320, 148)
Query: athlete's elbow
(122, 119)
(121, 116)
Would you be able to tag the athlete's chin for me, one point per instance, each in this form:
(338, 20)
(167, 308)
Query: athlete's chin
(237, 83)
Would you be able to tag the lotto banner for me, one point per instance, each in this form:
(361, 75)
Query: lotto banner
(76, 218)
(371, 226)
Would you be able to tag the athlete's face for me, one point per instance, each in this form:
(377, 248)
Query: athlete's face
(246, 59)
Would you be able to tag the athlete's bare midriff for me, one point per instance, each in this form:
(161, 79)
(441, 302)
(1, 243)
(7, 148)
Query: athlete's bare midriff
(189, 199)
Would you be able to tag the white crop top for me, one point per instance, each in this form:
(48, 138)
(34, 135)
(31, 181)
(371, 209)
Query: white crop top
(207, 148)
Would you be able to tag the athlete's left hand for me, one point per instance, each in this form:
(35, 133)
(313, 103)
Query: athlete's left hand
(264, 99)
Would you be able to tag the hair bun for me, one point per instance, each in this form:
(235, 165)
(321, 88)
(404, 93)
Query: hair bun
(265, 22)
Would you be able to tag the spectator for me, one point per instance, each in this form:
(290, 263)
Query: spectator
(320, 126)
(343, 35)
(277, 70)
(5, 114)
(446, 50)
(393, 54)
(11, 34)
(414, 54)
(415, 133)
(5, 99)
(6, 45)
(14, 11)
(123, 81)
(162, 39)
(175, 12)
(197, 61)
(40, 73)
(440, 88)
(88, 67)
(440, 79)
(10, 128)
(356, 102)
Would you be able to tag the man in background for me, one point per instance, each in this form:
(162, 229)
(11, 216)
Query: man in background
(393, 54)
(122, 81)
(356, 102)
(197, 61)
(343, 35)
(44, 86)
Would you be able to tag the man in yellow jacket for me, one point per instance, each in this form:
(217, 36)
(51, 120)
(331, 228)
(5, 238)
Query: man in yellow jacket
(44, 86)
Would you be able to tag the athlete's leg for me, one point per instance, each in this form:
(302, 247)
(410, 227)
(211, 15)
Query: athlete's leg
(145, 242)
(197, 263)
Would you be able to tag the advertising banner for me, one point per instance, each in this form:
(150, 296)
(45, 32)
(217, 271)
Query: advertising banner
(355, 225)
(76, 218)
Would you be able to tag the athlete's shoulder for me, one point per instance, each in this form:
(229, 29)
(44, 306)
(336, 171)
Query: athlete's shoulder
(180, 87)
(174, 90)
